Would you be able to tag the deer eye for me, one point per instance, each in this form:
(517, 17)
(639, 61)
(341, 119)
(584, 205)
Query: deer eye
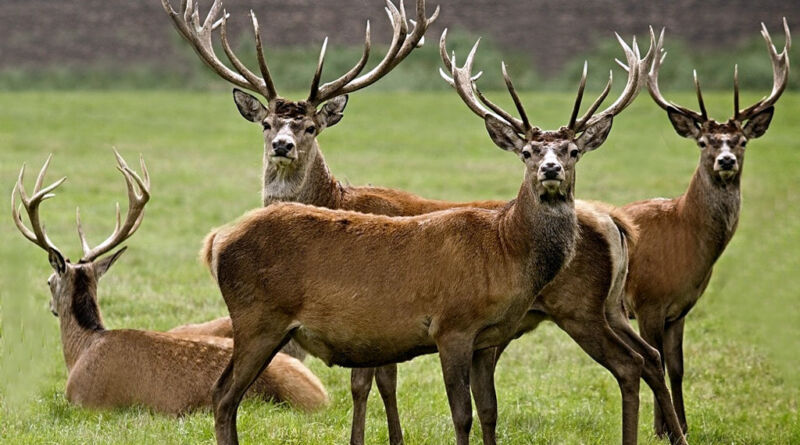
(574, 153)
(311, 129)
(702, 144)
(526, 154)
(267, 126)
(744, 143)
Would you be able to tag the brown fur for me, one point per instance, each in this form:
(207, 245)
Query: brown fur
(164, 372)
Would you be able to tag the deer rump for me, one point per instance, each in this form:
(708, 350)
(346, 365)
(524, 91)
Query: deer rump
(367, 290)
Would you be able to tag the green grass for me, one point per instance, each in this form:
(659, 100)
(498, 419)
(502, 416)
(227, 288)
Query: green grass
(743, 339)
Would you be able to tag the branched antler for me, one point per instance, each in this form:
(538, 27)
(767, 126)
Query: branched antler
(136, 202)
(36, 233)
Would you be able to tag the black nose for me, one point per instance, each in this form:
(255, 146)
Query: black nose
(551, 170)
(727, 162)
(282, 148)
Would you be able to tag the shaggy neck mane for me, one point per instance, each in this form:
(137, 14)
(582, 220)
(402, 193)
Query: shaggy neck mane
(712, 206)
(311, 184)
(83, 321)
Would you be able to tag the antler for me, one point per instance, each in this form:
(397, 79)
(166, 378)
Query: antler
(464, 83)
(402, 44)
(136, 203)
(37, 235)
(780, 76)
(199, 36)
(626, 96)
(655, 92)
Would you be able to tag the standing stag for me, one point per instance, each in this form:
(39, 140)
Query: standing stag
(124, 367)
(585, 298)
(682, 238)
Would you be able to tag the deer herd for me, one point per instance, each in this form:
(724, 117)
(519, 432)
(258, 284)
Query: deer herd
(367, 277)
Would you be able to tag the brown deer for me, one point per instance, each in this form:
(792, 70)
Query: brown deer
(125, 367)
(682, 238)
(320, 187)
(463, 278)
(585, 297)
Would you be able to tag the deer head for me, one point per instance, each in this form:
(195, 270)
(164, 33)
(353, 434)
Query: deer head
(73, 286)
(549, 156)
(291, 127)
(722, 145)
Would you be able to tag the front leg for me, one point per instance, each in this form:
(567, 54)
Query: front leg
(386, 378)
(455, 355)
(360, 385)
(483, 391)
(673, 356)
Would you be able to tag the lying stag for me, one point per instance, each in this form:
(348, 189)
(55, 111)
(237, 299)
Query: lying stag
(682, 238)
(124, 367)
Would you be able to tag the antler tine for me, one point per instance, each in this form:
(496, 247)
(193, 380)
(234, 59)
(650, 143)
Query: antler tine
(402, 44)
(318, 73)
(256, 83)
(700, 101)
(450, 61)
(136, 203)
(522, 126)
(515, 97)
(262, 64)
(652, 83)
(347, 77)
(736, 92)
(629, 92)
(780, 72)
(579, 98)
(462, 80)
(187, 22)
(36, 233)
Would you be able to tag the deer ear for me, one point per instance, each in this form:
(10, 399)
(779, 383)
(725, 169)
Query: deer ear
(757, 125)
(684, 125)
(102, 266)
(331, 112)
(594, 136)
(503, 135)
(57, 261)
(249, 106)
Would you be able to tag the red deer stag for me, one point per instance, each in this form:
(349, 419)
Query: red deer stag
(125, 367)
(585, 298)
(682, 238)
(335, 280)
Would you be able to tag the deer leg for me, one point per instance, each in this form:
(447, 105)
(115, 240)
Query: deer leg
(652, 330)
(360, 385)
(386, 378)
(483, 391)
(653, 374)
(455, 355)
(673, 356)
(595, 336)
(251, 354)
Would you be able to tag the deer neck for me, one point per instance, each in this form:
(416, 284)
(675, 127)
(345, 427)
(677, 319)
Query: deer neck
(311, 183)
(80, 325)
(542, 230)
(712, 207)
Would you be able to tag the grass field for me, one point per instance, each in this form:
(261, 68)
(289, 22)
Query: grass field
(743, 339)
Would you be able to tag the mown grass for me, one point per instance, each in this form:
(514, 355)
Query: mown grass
(743, 339)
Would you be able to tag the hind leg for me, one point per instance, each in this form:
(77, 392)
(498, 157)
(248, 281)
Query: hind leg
(651, 328)
(386, 378)
(653, 374)
(251, 354)
(360, 385)
(595, 337)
